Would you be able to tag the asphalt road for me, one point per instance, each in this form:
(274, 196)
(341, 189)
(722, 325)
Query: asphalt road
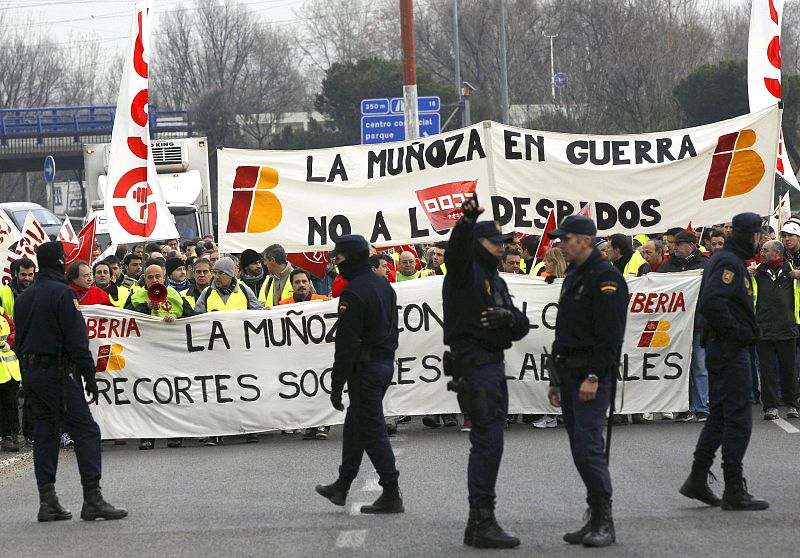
(258, 499)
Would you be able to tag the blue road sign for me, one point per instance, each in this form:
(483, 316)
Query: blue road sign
(424, 104)
(49, 169)
(391, 127)
(374, 106)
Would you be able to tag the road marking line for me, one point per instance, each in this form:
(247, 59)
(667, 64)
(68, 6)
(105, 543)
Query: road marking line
(397, 452)
(355, 508)
(9, 462)
(371, 485)
(351, 539)
(786, 426)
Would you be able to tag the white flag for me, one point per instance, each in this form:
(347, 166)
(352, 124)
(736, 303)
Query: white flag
(6, 258)
(764, 69)
(134, 205)
(781, 214)
(33, 236)
(9, 233)
(68, 237)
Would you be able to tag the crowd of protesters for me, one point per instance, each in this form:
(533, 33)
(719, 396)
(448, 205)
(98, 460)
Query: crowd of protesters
(198, 279)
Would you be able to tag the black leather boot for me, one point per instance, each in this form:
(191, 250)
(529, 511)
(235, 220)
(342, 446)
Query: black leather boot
(49, 507)
(576, 537)
(697, 487)
(472, 523)
(488, 534)
(389, 501)
(95, 507)
(736, 496)
(601, 524)
(336, 492)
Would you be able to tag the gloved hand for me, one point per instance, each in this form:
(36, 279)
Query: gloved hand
(90, 385)
(336, 397)
(470, 209)
(495, 318)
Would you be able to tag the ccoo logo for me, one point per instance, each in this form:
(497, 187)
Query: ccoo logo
(655, 334)
(442, 203)
(735, 169)
(109, 358)
(254, 208)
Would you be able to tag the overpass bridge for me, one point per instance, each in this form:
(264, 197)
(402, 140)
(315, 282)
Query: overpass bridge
(28, 135)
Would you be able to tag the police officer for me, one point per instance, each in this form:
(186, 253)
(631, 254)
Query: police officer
(589, 331)
(54, 346)
(366, 340)
(726, 302)
(480, 322)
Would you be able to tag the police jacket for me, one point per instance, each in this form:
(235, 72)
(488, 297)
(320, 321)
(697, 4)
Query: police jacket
(592, 310)
(367, 326)
(776, 300)
(470, 287)
(726, 295)
(49, 323)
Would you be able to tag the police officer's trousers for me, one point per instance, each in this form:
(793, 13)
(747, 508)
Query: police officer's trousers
(585, 423)
(731, 419)
(57, 404)
(486, 435)
(365, 426)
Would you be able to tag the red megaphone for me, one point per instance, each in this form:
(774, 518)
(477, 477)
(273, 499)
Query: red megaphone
(157, 292)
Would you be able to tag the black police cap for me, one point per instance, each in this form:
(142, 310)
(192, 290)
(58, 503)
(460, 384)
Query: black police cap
(576, 224)
(491, 231)
(748, 222)
(349, 244)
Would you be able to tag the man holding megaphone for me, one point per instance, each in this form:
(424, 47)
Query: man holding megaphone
(157, 299)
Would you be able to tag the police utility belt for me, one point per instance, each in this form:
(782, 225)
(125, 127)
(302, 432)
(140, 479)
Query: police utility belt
(473, 401)
(574, 364)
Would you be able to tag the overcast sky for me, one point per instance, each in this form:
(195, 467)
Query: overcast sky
(108, 21)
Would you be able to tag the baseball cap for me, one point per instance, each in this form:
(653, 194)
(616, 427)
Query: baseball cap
(748, 222)
(349, 244)
(491, 230)
(792, 226)
(577, 224)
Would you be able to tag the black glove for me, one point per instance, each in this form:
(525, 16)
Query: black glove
(495, 318)
(470, 208)
(90, 386)
(336, 397)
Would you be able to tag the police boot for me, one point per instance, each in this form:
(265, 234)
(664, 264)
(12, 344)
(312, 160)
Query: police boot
(736, 496)
(389, 501)
(697, 486)
(95, 507)
(472, 523)
(336, 492)
(49, 507)
(488, 534)
(601, 524)
(10, 444)
(576, 537)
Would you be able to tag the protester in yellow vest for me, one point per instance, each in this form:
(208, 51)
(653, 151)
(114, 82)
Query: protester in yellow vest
(175, 306)
(23, 271)
(103, 279)
(9, 385)
(407, 268)
(277, 286)
(627, 260)
(226, 292)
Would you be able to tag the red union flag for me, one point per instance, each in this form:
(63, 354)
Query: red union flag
(315, 263)
(442, 203)
(85, 246)
(546, 241)
(134, 205)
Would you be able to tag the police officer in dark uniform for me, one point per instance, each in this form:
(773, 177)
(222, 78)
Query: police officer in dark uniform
(590, 328)
(56, 369)
(726, 302)
(480, 322)
(366, 340)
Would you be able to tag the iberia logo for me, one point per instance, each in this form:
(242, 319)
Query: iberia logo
(442, 203)
(254, 208)
(655, 334)
(735, 169)
(109, 358)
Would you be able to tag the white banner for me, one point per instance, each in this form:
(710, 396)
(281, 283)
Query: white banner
(134, 205)
(248, 371)
(401, 193)
(9, 233)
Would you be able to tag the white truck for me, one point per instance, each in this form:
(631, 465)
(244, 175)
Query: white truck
(182, 167)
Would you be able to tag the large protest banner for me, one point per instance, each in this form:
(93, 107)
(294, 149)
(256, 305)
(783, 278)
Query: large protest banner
(404, 192)
(234, 372)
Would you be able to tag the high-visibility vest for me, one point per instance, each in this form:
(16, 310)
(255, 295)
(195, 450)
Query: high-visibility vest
(173, 305)
(189, 298)
(538, 267)
(7, 300)
(642, 238)
(313, 297)
(632, 267)
(754, 285)
(9, 365)
(237, 300)
(122, 297)
(267, 292)
(400, 277)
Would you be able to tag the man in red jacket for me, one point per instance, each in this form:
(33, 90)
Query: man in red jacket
(79, 277)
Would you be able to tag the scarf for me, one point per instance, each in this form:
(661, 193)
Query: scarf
(182, 286)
